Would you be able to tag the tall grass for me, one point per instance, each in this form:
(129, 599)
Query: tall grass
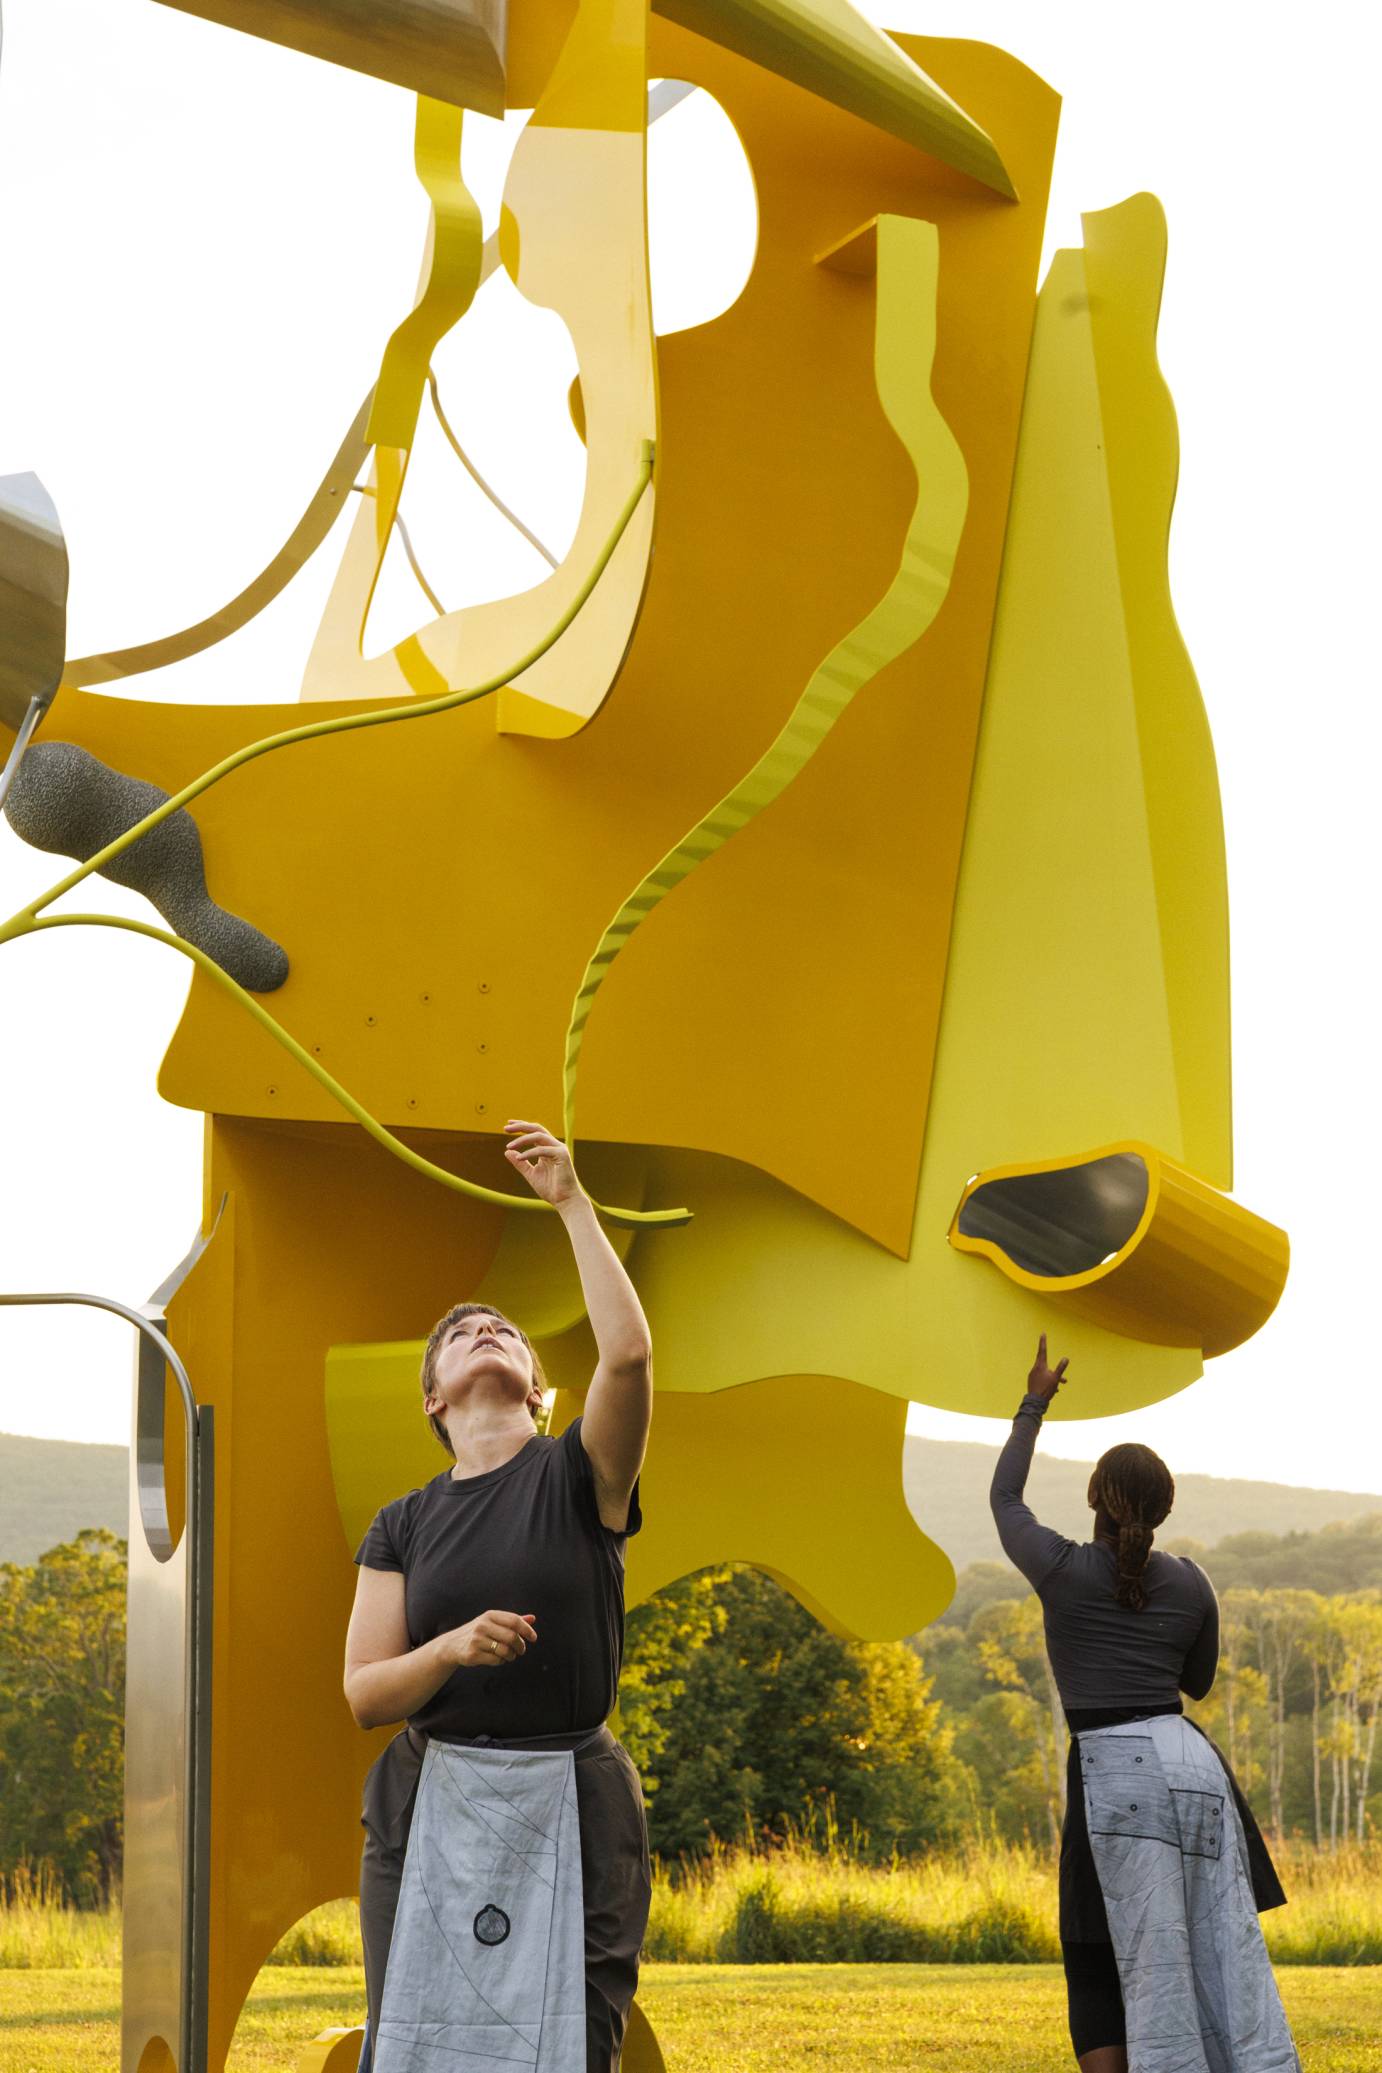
(807, 1901)
(1333, 1914)
(988, 1903)
(330, 1935)
(38, 1931)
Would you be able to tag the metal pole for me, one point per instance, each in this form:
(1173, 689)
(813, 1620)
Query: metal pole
(198, 1433)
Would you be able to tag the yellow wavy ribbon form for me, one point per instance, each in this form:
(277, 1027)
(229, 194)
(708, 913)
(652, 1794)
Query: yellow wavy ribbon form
(455, 253)
(456, 250)
(908, 254)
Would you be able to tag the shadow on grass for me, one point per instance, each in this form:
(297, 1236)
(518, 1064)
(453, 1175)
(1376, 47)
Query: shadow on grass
(262, 2004)
(63, 2018)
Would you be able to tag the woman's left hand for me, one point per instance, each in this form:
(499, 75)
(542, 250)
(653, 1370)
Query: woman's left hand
(544, 1163)
(1044, 1380)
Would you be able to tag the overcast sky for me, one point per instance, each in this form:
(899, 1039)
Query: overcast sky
(204, 242)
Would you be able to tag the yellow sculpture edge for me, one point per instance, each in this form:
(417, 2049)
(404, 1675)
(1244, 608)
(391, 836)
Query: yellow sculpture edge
(907, 281)
(1124, 257)
(1198, 1270)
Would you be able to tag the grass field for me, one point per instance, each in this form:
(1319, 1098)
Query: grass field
(718, 2018)
(987, 1903)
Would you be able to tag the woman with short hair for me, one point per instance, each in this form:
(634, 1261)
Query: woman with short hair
(504, 1885)
(1162, 1868)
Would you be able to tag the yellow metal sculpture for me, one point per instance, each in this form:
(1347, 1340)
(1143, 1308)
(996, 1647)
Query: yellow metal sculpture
(869, 577)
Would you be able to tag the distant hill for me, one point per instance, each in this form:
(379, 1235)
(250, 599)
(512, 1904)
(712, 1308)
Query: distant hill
(947, 1488)
(1343, 1556)
(50, 1489)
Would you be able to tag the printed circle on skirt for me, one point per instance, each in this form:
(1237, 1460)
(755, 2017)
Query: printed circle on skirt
(491, 1925)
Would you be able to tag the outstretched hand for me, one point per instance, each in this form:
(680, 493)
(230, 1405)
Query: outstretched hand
(544, 1162)
(1044, 1380)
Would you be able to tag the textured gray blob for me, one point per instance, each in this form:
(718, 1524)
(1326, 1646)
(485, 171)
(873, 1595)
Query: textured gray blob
(63, 799)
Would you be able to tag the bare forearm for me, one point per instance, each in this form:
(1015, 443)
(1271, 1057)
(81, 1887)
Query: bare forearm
(616, 1316)
(619, 1403)
(378, 1693)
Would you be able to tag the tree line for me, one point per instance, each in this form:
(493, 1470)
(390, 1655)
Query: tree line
(747, 1718)
(1294, 1708)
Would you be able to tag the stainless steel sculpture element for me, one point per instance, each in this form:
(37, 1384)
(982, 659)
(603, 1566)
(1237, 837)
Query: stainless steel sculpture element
(33, 610)
(167, 1698)
(451, 49)
(1063, 1221)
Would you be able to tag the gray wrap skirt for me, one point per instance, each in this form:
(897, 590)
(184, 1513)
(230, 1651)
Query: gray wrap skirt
(615, 1872)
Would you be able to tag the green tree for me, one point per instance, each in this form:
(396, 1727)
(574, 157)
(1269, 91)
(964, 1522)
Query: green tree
(62, 1700)
(1010, 1641)
(663, 1636)
(750, 1715)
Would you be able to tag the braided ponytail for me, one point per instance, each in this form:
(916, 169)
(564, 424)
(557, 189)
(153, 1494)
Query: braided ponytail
(1134, 1487)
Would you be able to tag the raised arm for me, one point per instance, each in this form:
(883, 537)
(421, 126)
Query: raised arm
(1031, 1547)
(619, 1403)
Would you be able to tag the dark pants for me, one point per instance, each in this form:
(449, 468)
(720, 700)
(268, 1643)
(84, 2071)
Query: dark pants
(1094, 1997)
(614, 1873)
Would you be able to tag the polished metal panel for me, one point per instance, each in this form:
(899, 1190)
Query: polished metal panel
(33, 598)
(452, 50)
(167, 1704)
(27, 728)
(1062, 1222)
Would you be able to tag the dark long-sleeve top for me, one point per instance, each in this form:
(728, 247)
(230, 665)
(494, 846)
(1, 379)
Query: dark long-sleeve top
(1102, 1653)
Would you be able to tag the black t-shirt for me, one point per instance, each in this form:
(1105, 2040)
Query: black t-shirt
(524, 1537)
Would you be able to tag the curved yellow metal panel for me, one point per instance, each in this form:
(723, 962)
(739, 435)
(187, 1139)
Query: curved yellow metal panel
(1197, 1269)
(1124, 262)
(334, 2051)
(797, 1292)
(907, 268)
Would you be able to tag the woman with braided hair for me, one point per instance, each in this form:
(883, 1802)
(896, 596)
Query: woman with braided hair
(1163, 1869)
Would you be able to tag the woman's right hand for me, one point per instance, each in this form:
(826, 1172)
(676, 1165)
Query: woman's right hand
(495, 1637)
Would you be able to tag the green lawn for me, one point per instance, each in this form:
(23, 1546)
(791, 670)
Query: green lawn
(720, 2018)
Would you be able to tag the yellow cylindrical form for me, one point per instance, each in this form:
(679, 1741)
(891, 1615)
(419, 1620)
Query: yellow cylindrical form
(1132, 1241)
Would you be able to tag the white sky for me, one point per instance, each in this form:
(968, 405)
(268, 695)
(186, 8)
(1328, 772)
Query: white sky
(204, 242)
